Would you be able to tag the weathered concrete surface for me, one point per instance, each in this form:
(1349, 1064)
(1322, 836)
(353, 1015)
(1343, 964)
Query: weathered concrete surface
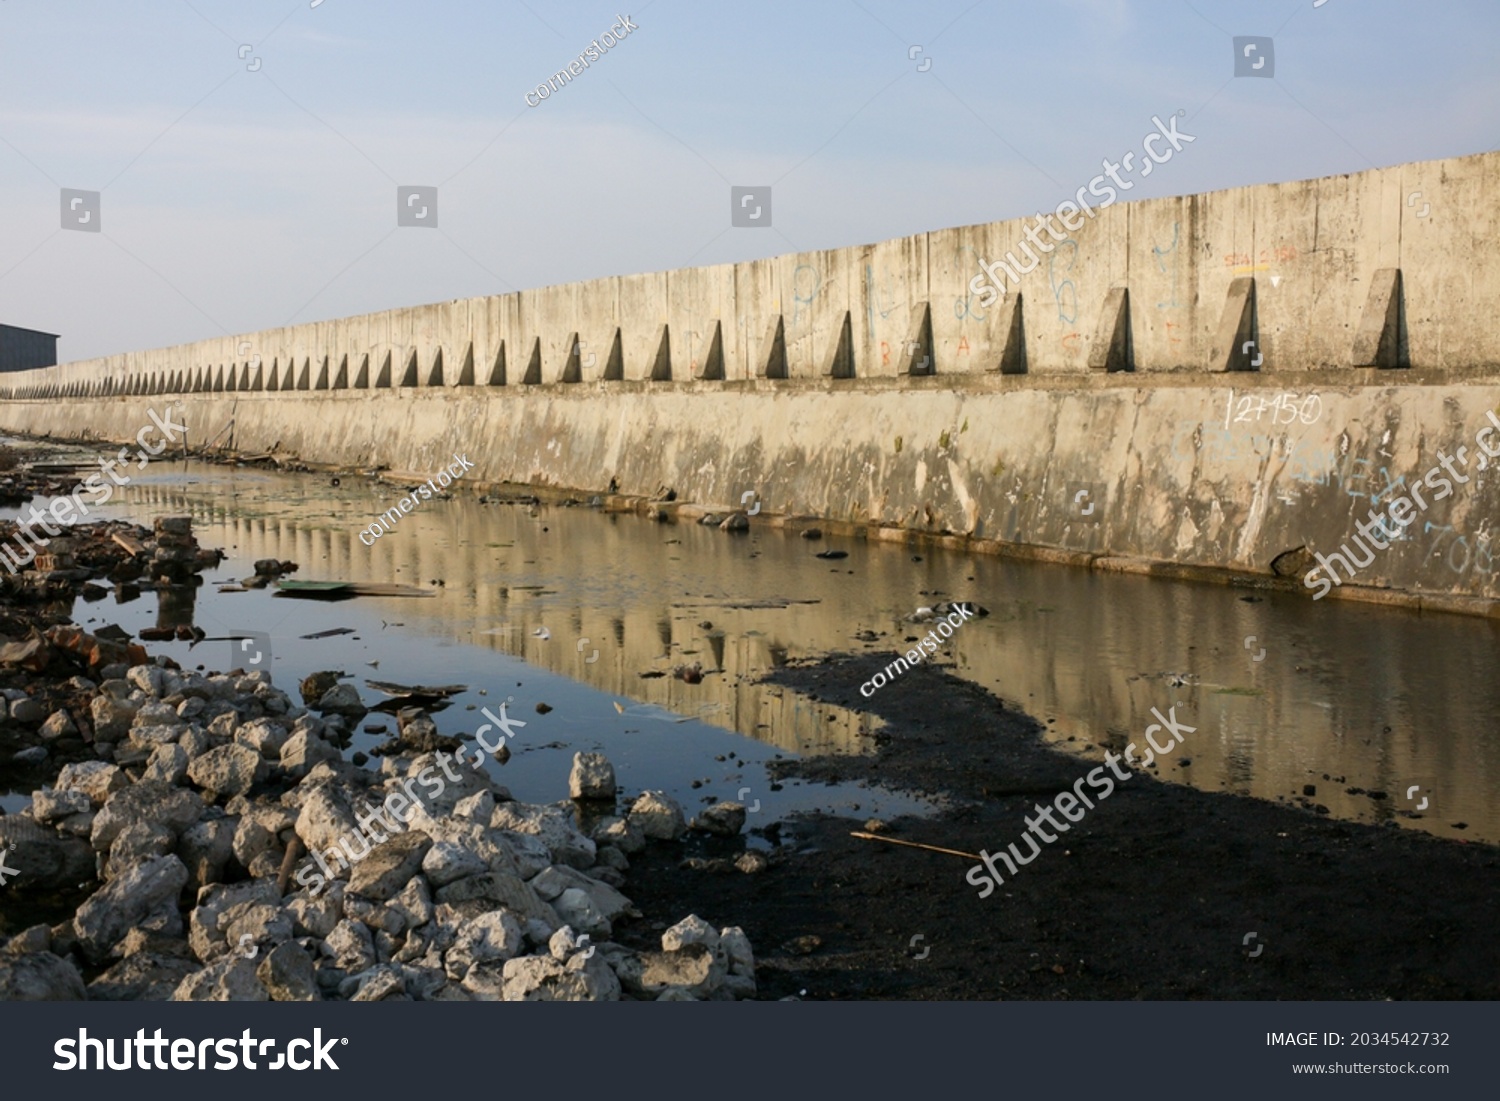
(1296, 287)
(1313, 247)
(1204, 475)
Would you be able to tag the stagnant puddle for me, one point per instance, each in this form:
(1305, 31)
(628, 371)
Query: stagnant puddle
(1356, 711)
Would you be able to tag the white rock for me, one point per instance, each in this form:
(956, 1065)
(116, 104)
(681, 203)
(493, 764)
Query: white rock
(553, 825)
(59, 724)
(168, 763)
(144, 896)
(577, 908)
(736, 947)
(592, 777)
(492, 936)
(48, 805)
(447, 862)
(690, 930)
(96, 779)
(659, 816)
(231, 979)
(723, 819)
(265, 736)
(624, 834)
(350, 946)
(479, 807)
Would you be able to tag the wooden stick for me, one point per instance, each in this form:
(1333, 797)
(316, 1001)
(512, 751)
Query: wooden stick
(294, 851)
(911, 844)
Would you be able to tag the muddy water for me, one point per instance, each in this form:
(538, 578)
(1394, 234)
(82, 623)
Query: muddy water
(1340, 707)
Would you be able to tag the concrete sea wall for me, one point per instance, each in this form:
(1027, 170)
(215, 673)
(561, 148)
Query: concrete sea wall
(1208, 380)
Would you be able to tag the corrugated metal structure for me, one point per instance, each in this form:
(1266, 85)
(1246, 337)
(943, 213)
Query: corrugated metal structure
(23, 349)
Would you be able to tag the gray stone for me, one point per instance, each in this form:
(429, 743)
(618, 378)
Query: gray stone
(493, 891)
(287, 974)
(144, 976)
(137, 843)
(303, 750)
(251, 928)
(555, 880)
(621, 833)
(752, 863)
(28, 712)
(195, 742)
(205, 936)
(342, 699)
(259, 831)
(148, 801)
(695, 970)
(723, 819)
(735, 946)
(59, 724)
(317, 917)
(228, 770)
(577, 908)
(231, 979)
(41, 977)
(38, 938)
(265, 736)
(43, 858)
(77, 825)
(479, 807)
(168, 763)
(689, 931)
(32, 755)
(148, 738)
(350, 946)
(206, 848)
(612, 858)
(390, 866)
(553, 825)
(95, 779)
(157, 713)
(658, 815)
(446, 862)
(144, 896)
(327, 816)
(543, 979)
(48, 805)
(385, 983)
(592, 777)
(147, 678)
(413, 905)
(531, 854)
(495, 935)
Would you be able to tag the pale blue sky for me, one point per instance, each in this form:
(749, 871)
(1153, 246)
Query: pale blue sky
(235, 200)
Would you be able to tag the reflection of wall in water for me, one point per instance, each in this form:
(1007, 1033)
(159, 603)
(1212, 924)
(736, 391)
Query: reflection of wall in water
(1062, 643)
(478, 601)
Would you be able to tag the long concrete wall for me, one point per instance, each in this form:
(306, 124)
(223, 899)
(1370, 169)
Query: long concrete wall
(871, 384)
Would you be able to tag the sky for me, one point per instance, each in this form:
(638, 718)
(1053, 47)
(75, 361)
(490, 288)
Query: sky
(247, 153)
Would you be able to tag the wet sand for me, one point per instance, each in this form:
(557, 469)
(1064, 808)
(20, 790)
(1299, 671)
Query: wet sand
(1151, 895)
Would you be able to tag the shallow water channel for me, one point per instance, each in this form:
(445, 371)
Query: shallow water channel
(1365, 704)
